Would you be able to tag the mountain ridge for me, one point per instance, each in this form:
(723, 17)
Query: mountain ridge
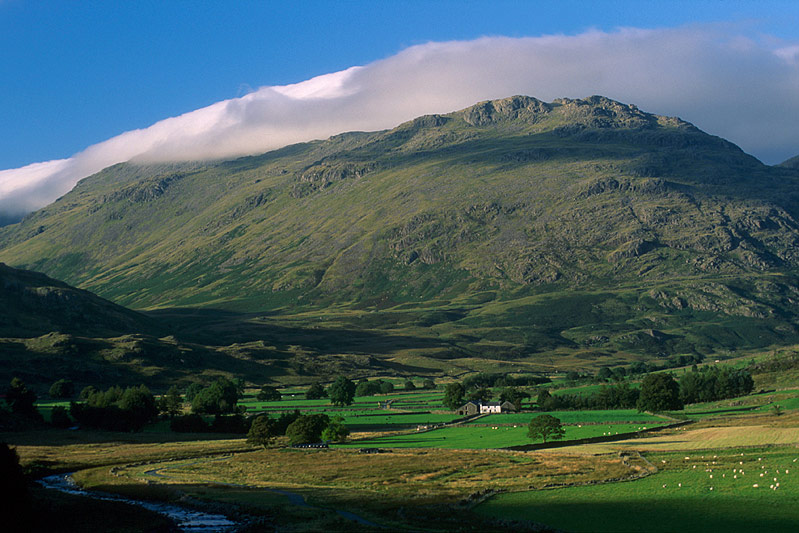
(513, 200)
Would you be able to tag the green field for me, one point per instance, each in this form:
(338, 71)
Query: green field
(574, 417)
(298, 401)
(477, 437)
(678, 498)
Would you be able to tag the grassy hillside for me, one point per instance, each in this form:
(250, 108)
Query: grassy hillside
(517, 230)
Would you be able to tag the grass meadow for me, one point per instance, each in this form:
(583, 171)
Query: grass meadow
(731, 490)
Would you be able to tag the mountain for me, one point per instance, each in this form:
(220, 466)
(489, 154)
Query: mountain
(514, 229)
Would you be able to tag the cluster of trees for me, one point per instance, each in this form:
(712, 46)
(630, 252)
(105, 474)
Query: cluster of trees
(221, 397)
(194, 423)
(268, 394)
(343, 390)
(637, 368)
(615, 396)
(410, 385)
(370, 388)
(485, 380)
(116, 409)
(658, 392)
(316, 392)
(456, 394)
(21, 400)
(62, 389)
(715, 383)
(300, 429)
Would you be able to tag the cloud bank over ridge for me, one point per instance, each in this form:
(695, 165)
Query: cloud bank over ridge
(725, 83)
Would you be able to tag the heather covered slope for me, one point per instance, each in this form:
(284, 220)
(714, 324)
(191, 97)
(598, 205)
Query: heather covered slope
(504, 230)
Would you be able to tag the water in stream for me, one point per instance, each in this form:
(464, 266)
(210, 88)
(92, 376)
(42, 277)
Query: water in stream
(186, 519)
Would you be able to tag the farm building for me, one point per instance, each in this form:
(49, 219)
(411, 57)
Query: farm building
(469, 409)
(474, 408)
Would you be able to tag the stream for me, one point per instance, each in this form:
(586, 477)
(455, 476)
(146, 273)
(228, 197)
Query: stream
(293, 497)
(186, 519)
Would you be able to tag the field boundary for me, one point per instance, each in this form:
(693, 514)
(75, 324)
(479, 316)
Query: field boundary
(595, 440)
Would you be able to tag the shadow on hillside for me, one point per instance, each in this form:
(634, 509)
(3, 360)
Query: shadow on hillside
(216, 327)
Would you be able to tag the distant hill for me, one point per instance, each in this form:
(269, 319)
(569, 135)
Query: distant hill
(515, 229)
(32, 304)
(791, 163)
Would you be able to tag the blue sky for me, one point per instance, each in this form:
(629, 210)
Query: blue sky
(77, 73)
(86, 84)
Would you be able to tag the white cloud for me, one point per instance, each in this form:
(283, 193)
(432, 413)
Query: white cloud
(727, 84)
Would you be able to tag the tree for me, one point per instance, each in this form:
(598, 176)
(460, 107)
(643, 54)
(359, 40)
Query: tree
(307, 428)
(86, 392)
(545, 427)
(59, 417)
(341, 392)
(620, 395)
(240, 384)
(139, 405)
(235, 423)
(715, 383)
(366, 388)
(315, 392)
(659, 392)
(14, 488)
(192, 390)
(263, 431)
(604, 374)
(21, 399)
(285, 420)
(191, 423)
(220, 397)
(453, 395)
(409, 385)
(481, 395)
(171, 403)
(386, 387)
(103, 399)
(116, 410)
(513, 395)
(268, 394)
(336, 430)
(428, 384)
(545, 400)
(63, 388)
